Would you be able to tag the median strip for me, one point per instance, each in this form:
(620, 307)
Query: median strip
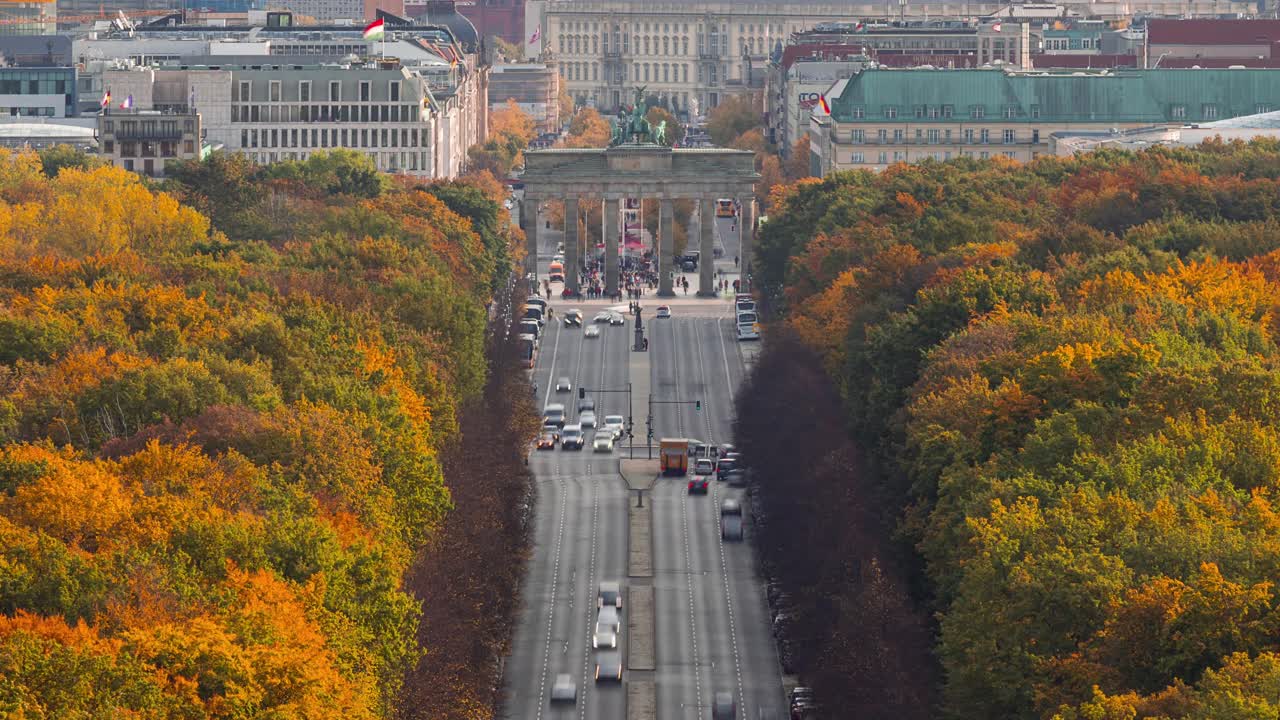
(640, 629)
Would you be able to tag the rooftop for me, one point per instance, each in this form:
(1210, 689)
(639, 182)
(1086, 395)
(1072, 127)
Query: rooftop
(1213, 32)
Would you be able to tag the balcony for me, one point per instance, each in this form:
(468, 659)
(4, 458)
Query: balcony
(127, 132)
(708, 54)
(613, 53)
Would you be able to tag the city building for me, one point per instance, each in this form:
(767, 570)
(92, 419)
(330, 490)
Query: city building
(534, 86)
(881, 116)
(38, 92)
(29, 17)
(797, 78)
(145, 141)
(40, 133)
(273, 112)
(690, 52)
(1212, 43)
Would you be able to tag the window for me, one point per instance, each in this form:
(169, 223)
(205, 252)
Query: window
(1261, 108)
(934, 111)
(1210, 111)
(1035, 136)
(304, 91)
(882, 136)
(984, 136)
(890, 111)
(1178, 111)
(1009, 137)
(856, 158)
(1035, 111)
(933, 136)
(948, 111)
(394, 90)
(335, 90)
(109, 146)
(984, 155)
(979, 112)
(859, 136)
(859, 112)
(1011, 155)
(1010, 112)
(898, 156)
(919, 111)
(897, 136)
(244, 91)
(883, 158)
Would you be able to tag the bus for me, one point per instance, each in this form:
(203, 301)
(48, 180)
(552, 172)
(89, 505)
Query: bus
(725, 208)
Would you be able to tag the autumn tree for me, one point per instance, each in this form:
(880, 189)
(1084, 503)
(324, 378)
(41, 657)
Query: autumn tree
(734, 116)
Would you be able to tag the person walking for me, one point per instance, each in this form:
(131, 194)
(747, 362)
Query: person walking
(735, 261)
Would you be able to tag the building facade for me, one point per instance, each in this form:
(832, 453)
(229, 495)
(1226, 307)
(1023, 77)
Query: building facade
(146, 141)
(535, 87)
(38, 92)
(880, 117)
(272, 113)
(795, 82)
(497, 18)
(690, 52)
(1212, 43)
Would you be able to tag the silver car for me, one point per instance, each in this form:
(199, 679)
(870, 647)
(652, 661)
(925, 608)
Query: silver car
(609, 666)
(587, 419)
(564, 691)
(605, 637)
(603, 442)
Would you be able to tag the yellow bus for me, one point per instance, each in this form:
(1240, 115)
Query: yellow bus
(724, 208)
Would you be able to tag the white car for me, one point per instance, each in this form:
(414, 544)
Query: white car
(587, 418)
(609, 616)
(603, 442)
(615, 424)
(564, 385)
(591, 331)
(663, 312)
(617, 319)
(602, 316)
(605, 637)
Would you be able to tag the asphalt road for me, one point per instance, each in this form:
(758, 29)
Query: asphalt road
(712, 623)
(580, 536)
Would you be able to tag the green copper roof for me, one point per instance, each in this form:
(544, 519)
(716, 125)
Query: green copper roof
(1143, 96)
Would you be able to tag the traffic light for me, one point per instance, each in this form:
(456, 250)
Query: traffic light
(697, 406)
(582, 392)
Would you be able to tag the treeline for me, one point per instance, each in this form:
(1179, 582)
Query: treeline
(224, 404)
(1065, 376)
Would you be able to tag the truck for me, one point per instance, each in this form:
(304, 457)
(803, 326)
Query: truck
(673, 455)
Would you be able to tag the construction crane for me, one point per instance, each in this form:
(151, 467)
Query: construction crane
(72, 19)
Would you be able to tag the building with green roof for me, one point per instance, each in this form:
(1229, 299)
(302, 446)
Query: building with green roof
(883, 116)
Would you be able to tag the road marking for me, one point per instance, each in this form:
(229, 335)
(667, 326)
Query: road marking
(688, 557)
(591, 583)
(715, 497)
(551, 372)
(555, 577)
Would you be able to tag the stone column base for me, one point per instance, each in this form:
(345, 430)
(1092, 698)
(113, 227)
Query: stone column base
(707, 294)
(666, 293)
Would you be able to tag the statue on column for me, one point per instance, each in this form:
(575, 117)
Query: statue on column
(634, 129)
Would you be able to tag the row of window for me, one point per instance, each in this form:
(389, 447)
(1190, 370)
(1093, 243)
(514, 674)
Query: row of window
(391, 162)
(670, 72)
(901, 156)
(717, 43)
(935, 136)
(274, 87)
(583, 26)
(133, 149)
(332, 137)
(1208, 111)
(324, 113)
(1065, 44)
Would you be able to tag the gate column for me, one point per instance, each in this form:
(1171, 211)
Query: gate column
(666, 248)
(611, 219)
(529, 223)
(706, 248)
(572, 268)
(748, 224)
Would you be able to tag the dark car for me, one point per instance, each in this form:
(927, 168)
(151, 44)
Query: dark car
(723, 707)
(731, 528)
(547, 441)
(610, 594)
(698, 485)
(571, 438)
(609, 666)
(737, 478)
(724, 466)
(572, 318)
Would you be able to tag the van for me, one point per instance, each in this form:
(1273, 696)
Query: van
(556, 272)
(748, 326)
(530, 327)
(673, 456)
